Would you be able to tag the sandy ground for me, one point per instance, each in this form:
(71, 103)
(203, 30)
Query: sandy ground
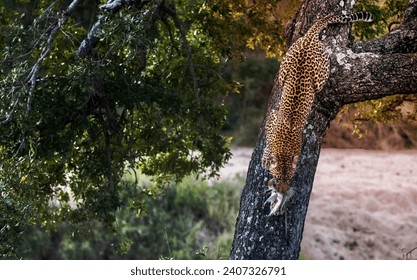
(363, 204)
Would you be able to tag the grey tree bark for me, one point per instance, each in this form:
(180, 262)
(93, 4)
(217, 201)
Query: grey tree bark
(359, 71)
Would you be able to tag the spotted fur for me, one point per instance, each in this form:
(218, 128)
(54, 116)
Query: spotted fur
(303, 73)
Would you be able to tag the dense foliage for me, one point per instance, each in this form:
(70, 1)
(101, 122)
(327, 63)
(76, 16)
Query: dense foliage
(90, 92)
(190, 221)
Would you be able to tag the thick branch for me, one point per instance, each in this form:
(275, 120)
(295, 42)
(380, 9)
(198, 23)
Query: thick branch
(87, 45)
(401, 40)
(365, 76)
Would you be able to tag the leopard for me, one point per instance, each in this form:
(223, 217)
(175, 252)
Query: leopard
(303, 73)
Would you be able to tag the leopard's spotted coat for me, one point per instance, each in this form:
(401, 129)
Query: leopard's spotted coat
(303, 73)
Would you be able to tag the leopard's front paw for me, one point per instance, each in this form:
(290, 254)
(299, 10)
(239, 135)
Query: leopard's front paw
(278, 201)
(275, 199)
(274, 193)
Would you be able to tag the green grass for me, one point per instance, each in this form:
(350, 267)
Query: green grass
(190, 220)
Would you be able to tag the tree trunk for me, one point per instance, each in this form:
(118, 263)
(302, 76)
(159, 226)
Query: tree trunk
(359, 71)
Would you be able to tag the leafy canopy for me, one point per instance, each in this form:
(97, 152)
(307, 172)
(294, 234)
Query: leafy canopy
(145, 96)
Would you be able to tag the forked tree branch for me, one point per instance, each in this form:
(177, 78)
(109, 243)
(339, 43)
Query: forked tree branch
(376, 68)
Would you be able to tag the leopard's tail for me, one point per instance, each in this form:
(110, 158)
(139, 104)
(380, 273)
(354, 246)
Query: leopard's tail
(322, 23)
(359, 16)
